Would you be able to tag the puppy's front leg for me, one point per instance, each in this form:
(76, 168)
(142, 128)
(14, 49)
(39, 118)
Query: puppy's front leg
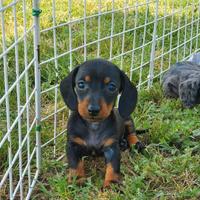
(76, 165)
(112, 158)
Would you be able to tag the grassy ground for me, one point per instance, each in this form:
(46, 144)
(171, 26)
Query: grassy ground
(170, 170)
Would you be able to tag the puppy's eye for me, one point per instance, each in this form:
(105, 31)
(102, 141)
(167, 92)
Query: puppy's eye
(81, 85)
(112, 87)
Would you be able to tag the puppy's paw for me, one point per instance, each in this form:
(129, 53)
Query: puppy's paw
(107, 183)
(140, 146)
(76, 176)
(123, 144)
(79, 181)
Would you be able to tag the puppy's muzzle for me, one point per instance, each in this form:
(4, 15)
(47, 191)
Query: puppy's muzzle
(93, 110)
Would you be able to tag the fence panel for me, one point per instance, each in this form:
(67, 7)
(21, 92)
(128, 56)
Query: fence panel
(19, 102)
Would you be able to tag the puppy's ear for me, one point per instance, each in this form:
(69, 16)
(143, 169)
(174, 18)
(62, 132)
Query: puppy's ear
(128, 99)
(67, 89)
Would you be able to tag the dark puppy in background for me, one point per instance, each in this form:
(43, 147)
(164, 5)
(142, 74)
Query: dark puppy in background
(95, 127)
(183, 81)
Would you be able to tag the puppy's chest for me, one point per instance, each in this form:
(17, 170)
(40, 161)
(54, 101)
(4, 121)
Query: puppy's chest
(96, 135)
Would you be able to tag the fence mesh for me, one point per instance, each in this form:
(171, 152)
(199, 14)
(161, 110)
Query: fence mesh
(142, 37)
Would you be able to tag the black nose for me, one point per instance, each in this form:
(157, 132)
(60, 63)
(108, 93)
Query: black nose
(93, 110)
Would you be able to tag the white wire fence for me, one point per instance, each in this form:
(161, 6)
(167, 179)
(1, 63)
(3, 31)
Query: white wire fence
(37, 50)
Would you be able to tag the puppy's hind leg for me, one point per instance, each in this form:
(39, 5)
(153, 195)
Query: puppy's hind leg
(130, 134)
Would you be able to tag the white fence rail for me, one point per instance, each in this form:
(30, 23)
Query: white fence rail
(143, 37)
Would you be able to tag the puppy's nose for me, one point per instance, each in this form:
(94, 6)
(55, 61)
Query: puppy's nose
(93, 110)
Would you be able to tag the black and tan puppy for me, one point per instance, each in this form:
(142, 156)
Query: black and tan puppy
(95, 127)
(182, 81)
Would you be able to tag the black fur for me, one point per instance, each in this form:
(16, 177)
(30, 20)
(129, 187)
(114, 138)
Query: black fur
(102, 133)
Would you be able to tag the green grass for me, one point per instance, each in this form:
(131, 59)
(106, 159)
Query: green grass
(170, 170)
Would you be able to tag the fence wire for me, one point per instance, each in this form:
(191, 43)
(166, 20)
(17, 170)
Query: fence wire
(142, 37)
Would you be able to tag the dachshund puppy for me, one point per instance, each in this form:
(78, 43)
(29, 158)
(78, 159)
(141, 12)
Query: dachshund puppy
(183, 81)
(95, 127)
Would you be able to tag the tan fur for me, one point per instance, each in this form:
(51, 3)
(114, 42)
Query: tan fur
(82, 108)
(106, 80)
(108, 142)
(132, 139)
(87, 78)
(110, 175)
(79, 141)
(79, 172)
(105, 109)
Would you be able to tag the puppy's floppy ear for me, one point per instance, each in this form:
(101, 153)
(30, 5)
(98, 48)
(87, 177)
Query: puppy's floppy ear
(67, 89)
(128, 99)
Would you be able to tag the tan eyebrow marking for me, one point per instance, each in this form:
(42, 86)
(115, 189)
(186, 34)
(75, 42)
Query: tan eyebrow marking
(87, 78)
(107, 80)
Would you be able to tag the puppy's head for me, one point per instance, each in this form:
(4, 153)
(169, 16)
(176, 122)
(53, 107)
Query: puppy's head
(92, 88)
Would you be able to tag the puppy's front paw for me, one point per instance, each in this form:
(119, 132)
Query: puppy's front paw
(107, 183)
(77, 175)
(111, 176)
(79, 181)
(139, 146)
